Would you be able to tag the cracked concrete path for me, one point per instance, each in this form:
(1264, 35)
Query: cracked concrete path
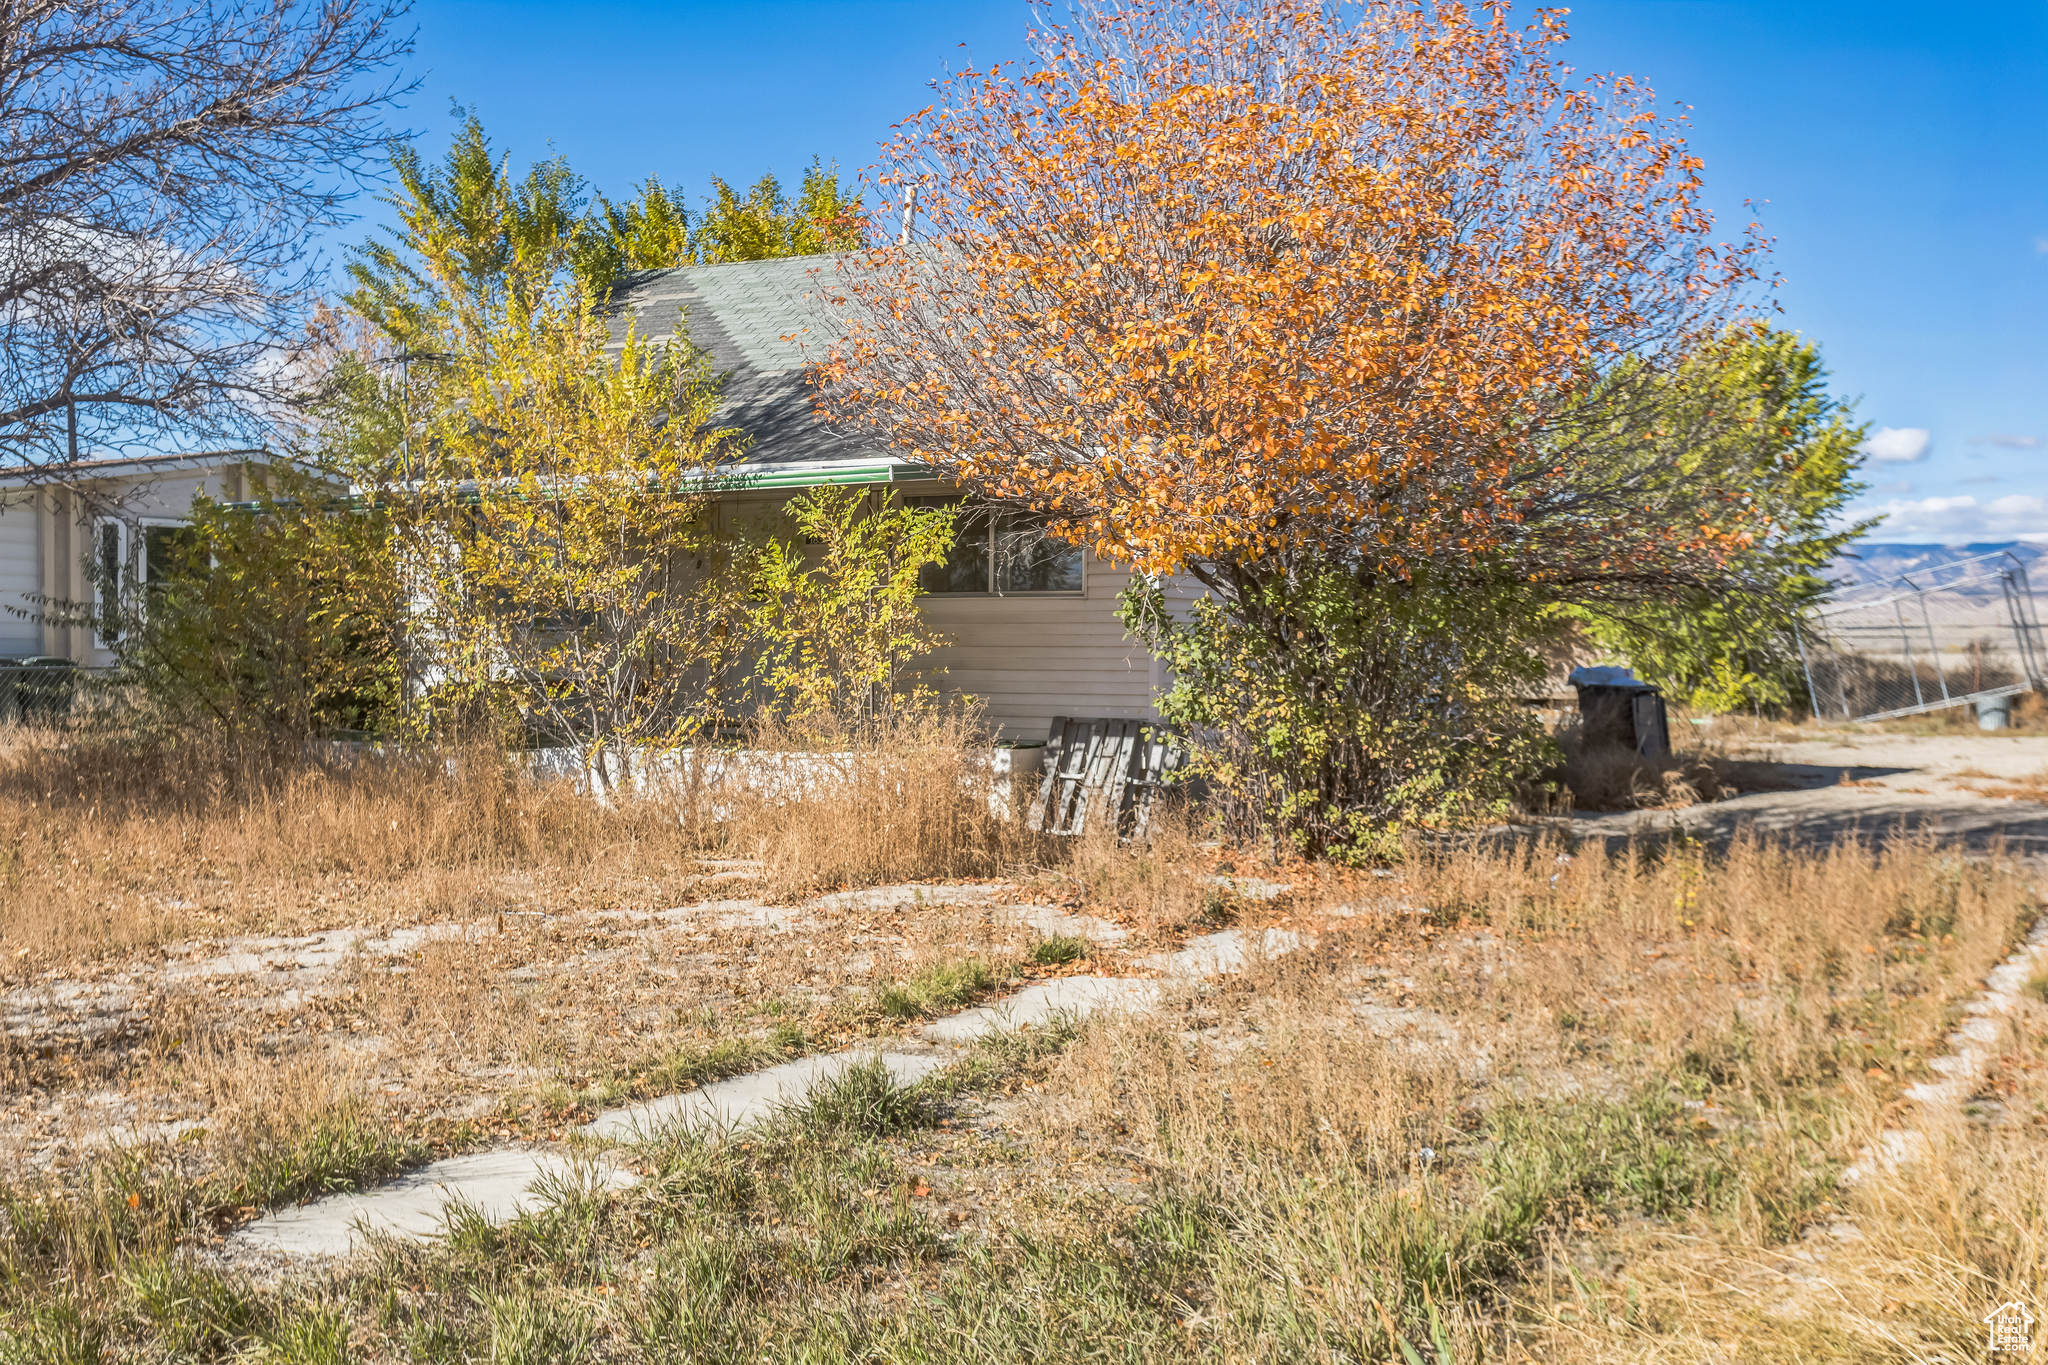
(1973, 1046)
(498, 1185)
(1226, 953)
(1037, 1006)
(502, 1184)
(726, 1106)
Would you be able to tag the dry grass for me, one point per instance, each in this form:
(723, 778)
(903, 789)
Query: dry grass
(2032, 787)
(1471, 1121)
(1514, 1103)
(466, 945)
(1166, 883)
(107, 846)
(824, 813)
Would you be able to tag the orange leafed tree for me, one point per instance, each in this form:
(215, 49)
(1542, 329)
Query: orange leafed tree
(1218, 282)
(1371, 316)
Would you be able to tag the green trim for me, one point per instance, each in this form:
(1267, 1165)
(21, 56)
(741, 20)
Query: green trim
(773, 476)
(798, 477)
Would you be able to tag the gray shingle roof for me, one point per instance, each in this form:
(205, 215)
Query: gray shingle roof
(741, 313)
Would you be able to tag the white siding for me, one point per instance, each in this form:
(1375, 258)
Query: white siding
(1029, 657)
(137, 496)
(1032, 658)
(153, 497)
(21, 577)
(167, 497)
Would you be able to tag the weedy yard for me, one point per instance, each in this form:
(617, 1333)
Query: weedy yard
(1511, 1098)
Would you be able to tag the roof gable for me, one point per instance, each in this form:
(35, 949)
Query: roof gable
(764, 324)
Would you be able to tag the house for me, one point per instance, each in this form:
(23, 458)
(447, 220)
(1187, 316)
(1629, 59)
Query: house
(110, 512)
(1032, 621)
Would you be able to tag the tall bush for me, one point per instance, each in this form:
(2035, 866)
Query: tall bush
(558, 539)
(1364, 316)
(268, 622)
(837, 623)
(1329, 712)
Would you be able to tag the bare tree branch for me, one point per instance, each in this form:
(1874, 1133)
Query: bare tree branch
(163, 169)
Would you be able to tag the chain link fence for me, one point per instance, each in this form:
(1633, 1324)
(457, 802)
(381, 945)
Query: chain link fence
(37, 690)
(1950, 636)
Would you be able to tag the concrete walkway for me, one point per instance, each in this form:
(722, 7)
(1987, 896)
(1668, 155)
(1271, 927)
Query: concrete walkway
(1036, 1006)
(727, 1106)
(1225, 954)
(1972, 1048)
(500, 1185)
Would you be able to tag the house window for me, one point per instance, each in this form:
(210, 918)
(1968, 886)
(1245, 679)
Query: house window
(169, 549)
(128, 560)
(110, 574)
(1002, 552)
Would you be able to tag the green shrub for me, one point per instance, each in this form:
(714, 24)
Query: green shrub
(941, 986)
(1056, 950)
(1331, 712)
(838, 619)
(863, 1101)
(271, 621)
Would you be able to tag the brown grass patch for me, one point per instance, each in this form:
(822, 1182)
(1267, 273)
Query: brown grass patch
(107, 846)
(824, 813)
(1561, 1091)
(1528, 1102)
(1164, 882)
(2032, 787)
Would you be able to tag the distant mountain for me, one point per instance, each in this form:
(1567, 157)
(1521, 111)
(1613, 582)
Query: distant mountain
(1870, 566)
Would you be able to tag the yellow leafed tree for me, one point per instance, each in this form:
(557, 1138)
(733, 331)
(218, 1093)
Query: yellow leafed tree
(557, 529)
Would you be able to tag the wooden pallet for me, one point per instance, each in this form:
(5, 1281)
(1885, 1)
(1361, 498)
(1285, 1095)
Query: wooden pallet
(1094, 766)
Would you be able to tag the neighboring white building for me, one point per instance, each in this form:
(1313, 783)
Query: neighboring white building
(51, 521)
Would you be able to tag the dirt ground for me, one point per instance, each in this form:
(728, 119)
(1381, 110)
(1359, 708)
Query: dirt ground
(1488, 1096)
(1972, 790)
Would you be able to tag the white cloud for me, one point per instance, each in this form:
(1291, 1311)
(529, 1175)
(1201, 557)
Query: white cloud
(1898, 445)
(2006, 440)
(2041, 246)
(1961, 519)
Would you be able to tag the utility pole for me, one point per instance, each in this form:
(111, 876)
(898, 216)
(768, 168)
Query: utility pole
(403, 360)
(909, 212)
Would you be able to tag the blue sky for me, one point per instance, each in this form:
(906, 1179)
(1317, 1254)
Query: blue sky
(1901, 149)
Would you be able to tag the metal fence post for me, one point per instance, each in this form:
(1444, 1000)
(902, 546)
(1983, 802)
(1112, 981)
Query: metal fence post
(1852, 639)
(1906, 644)
(1806, 667)
(1933, 648)
(2019, 604)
